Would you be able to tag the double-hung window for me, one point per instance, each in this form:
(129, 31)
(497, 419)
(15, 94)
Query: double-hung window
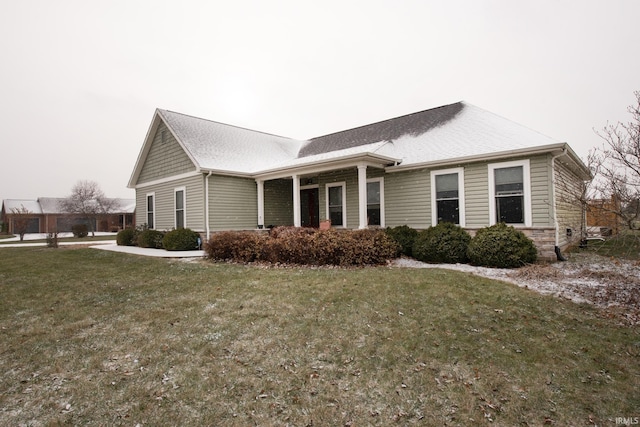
(510, 193)
(335, 204)
(447, 196)
(151, 207)
(375, 202)
(180, 207)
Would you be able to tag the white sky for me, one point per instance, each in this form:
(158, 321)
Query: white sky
(80, 80)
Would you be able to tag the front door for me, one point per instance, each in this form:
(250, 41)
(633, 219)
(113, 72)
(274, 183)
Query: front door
(309, 207)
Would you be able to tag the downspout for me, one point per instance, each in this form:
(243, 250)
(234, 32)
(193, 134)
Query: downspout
(206, 205)
(554, 204)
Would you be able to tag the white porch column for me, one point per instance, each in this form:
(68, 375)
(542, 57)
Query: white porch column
(297, 220)
(362, 196)
(260, 184)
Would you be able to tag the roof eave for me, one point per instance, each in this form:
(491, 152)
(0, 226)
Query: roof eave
(531, 151)
(323, 165)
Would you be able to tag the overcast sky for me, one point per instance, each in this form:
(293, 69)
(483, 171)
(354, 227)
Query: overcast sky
(80, 80)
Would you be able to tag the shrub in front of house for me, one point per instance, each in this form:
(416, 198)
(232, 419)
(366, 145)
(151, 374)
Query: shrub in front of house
(501, 246)
(405, 236)
(126, 237)
(291, 245)
(443, 243)
(80, 230)
(150, 239)
(238, 246)
(366, 247)
(181, 239)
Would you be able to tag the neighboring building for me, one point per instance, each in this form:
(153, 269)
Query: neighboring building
(45, 215)
(602, 217)
(454, 163)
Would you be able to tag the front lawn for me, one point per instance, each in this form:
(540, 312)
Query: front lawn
(91, 337)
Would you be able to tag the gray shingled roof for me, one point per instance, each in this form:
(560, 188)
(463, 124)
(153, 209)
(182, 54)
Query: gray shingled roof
(414, 125)
(51, 205)
(448, 134)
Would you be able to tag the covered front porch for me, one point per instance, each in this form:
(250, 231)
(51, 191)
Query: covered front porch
(350, 194)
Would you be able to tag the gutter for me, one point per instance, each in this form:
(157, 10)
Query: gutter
(479, 157)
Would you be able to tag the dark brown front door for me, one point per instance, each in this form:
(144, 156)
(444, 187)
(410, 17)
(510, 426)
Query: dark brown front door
(309, 207)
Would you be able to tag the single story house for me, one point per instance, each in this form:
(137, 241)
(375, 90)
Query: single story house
(46, 216)
(456, 163)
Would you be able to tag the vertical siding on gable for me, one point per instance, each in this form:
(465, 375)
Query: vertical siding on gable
(407, 199)
(164, 159)
(233, 203)
(278, 202)
(165, 203)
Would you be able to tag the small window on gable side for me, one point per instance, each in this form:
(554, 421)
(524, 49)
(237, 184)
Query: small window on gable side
(151, 207)
(180, 208)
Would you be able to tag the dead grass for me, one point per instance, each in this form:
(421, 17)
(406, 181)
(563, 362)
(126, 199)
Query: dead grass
(100, 338)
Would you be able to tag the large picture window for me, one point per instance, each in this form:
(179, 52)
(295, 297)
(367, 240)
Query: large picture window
(180, 207)
(447, 195)
(509, 187)
(151, 207)
(335, 204)
(375, 202)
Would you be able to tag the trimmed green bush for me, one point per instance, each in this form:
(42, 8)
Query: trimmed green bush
(150, 239)
(80, 230)
(126, 237)
(181, 239)
(501, 246)
(405, 236)
(445, 243)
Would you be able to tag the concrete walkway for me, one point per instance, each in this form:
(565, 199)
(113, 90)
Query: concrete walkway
(158, 253)
(106, 245)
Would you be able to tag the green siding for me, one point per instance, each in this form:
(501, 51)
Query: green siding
(278, 202)
(165, 203)
(568, 207)
(476, 194)
(407, 199)
(350, 178)
(233, 203)
(164, 159)
(540, 168)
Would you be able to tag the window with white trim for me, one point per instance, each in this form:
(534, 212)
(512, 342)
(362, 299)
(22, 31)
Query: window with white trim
(447, 196)
(151, 207)
(180, 202)
(510, 193)
(336, 210)
(375, 202)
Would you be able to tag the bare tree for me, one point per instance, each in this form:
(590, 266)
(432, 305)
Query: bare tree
(20, 220)
(88, 200)
(619, 163)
